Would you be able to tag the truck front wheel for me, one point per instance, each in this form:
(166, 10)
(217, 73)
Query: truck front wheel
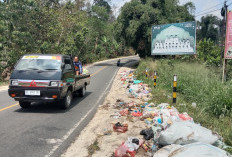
(66, 101)
(24, 104)
(83, 91)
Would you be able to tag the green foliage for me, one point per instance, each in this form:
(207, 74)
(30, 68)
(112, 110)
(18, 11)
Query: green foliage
(209, 52)
(58, 27)
(136, 18)
(210, 28)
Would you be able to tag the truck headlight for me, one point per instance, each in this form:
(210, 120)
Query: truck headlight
(54, 83)
(14, 82)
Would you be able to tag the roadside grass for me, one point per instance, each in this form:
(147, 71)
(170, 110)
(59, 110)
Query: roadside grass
(93, 148)
(195, 84)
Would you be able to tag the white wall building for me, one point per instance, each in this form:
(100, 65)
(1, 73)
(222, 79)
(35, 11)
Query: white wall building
(172, 44)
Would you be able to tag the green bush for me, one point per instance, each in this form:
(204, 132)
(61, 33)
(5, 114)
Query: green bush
(209, 52)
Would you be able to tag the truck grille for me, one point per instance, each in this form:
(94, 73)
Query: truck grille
(34, 83)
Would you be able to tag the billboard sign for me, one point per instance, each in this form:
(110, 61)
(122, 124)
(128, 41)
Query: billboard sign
(174, 39)
(228, 46)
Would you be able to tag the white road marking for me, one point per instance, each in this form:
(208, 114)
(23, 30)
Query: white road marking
(65, 137)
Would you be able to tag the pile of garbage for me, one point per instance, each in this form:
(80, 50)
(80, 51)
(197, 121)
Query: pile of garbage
(167, 132)
(135, 88)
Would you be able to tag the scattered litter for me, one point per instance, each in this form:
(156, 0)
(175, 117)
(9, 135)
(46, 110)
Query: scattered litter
(124, 112)
(118, 127)
(145, 147)
(137, 114)
(129, 147)
(165, 126)
(107, 132)
(185, 117)
(194, 105)
(137, 81)
(116, 115)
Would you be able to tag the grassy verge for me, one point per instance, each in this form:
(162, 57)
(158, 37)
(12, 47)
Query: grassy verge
(196, 84)
(93, 148)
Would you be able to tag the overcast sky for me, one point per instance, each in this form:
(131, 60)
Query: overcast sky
(201, 5)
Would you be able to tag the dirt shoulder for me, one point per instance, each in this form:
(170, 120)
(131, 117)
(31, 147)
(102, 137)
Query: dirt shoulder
(98, 134)
(3, 88)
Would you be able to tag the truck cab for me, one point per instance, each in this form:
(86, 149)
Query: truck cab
(46, 78)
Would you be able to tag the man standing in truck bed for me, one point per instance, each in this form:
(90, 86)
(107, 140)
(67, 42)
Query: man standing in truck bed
(78, 66)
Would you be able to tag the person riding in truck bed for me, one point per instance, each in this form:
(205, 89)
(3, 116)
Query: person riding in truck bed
(78, 66)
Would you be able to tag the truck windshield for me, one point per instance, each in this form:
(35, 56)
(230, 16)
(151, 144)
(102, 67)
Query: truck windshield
(38, 64)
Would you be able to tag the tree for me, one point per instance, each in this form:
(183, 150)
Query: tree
(209, 52)
(209, 27)
(103, 3)
(57, 27)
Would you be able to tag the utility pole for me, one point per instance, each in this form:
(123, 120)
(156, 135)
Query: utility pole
(224, 14)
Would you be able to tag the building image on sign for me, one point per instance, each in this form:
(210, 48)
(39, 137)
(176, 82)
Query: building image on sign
(173, 44)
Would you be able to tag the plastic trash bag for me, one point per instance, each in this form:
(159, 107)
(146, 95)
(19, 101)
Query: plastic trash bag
(147, 134)
(191, 150)
(137, 81)
(118, 127)
(185, 132)
(136, 114)
(124, 112)
(185, 117)
(128, 148)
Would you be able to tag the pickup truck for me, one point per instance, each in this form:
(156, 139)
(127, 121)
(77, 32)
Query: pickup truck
(46, 78)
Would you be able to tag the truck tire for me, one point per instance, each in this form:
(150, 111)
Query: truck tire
(82, 91)
(76, 93)
(24, 104)
(66, 101)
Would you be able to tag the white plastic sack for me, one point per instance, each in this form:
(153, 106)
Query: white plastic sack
(166, 151)
(191, 150)
(185, 133)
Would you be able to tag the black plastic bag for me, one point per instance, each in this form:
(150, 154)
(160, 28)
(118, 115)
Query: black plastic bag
(147, 134)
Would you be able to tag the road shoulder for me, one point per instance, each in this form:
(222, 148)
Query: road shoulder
(102, 123)
(3, 88)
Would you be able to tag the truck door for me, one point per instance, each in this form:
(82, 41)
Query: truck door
(68, 73)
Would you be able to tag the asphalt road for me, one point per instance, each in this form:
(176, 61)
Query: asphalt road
(44, 130)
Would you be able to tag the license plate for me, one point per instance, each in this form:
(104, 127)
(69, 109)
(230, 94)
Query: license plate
(32, 92)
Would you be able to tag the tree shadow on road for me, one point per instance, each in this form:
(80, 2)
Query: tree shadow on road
(123, 63)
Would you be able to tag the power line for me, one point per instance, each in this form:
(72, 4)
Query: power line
(208, 12)
(230, 4)
(209, 8)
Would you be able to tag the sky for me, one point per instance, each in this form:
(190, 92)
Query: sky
(202, 6)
